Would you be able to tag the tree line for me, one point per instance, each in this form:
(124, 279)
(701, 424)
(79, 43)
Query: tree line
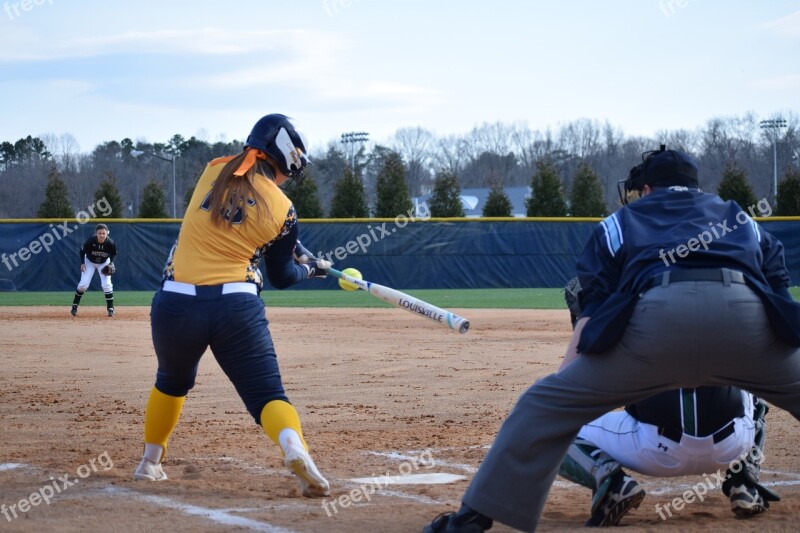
(571, 171)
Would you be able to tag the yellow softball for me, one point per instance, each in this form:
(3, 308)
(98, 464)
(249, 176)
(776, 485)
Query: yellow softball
(346, 285)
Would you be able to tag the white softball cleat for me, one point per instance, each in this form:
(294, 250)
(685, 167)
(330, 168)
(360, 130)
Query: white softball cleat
(150, 471)
(301, 465)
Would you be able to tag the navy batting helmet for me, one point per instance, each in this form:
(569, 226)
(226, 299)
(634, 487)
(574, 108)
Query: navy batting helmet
(276, 136)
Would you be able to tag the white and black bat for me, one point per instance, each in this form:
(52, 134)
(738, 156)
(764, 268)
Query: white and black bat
(407, 302)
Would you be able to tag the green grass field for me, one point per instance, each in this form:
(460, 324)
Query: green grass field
(462, 298)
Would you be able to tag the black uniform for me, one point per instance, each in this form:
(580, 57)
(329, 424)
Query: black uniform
(698, 412)
(98, 253)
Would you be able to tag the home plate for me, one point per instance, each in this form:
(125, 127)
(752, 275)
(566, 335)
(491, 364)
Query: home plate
(412, 479)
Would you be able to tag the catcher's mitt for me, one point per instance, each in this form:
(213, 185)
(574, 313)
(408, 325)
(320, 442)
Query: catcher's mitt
(571, 291)
(109, 269)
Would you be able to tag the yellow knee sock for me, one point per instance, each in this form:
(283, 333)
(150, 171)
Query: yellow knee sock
(278, 415)
(161, 417)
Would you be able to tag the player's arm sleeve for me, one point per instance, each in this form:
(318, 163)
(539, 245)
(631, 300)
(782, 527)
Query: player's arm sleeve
(282, 271)
(774, 264)
(83, 251)
(113, 253)
(598, 270)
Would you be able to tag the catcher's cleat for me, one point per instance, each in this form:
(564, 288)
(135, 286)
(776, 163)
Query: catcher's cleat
(111, 312)
(300, 464)
(623, 495)
(150, 471)
(74, 310)
(465, 520)
(746, 501)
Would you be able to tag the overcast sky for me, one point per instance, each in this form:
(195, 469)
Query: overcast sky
(147, 70)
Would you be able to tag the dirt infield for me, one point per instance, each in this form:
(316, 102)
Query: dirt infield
(375, 388)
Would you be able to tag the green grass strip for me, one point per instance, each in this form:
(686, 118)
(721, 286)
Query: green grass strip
(446, 298)
(465, 298)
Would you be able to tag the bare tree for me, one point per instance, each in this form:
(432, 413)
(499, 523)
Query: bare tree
(415, 146)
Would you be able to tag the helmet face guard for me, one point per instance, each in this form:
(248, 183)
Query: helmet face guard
(632, 183)
(276, 136)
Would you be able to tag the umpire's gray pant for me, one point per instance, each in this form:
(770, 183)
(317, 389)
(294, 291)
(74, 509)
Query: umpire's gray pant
(685, 335)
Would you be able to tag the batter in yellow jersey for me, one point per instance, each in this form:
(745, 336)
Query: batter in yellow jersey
(238, 216)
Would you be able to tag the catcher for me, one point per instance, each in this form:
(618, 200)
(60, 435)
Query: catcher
(658, 437)
(97, 255)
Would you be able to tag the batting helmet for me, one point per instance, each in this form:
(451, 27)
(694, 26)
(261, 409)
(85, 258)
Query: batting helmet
(276, 136)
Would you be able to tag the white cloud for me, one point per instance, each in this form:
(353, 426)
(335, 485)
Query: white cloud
(791, 81)
(787, 27)
(206, 41)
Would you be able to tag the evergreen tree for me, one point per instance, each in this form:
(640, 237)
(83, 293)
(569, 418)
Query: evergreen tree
(587, 198)
(305, 198)
(789, 194)
(56, 200)
(153, 199)
(497, 203)
(446, 198)
(108, 190)
(547, 197)
(734, 186)
(392, 191)
(349, 200)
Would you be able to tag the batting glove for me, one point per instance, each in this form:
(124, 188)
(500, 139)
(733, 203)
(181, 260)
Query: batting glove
(302, 254)
(318, 268)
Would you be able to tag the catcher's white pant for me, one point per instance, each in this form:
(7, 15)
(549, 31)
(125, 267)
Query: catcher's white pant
(639, 447)
(86, 277)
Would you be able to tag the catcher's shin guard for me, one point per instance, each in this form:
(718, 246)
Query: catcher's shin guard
(747, 469)
(591, 467)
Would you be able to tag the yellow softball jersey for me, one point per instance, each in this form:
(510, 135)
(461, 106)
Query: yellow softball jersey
(210, 254)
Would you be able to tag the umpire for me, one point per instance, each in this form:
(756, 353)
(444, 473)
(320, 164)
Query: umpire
(720, 314)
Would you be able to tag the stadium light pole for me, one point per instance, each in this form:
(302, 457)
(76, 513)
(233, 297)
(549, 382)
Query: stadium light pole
(774, 126)
(352, 138)
(137, 153)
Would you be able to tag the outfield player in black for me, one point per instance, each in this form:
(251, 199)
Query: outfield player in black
(97, 254)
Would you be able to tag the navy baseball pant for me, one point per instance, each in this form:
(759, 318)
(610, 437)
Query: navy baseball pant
(233, 325)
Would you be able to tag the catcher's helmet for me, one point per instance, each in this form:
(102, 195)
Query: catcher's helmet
(660, 168)
(276, 136)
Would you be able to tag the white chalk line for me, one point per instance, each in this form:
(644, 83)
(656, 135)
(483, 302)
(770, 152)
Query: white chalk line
(430, 478)
(12, 466)
(219, 516)
(410, 456)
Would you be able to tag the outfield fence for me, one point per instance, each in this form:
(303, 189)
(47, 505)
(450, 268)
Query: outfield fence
(43, 254)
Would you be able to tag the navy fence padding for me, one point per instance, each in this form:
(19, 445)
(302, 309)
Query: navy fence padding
(421, 255)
